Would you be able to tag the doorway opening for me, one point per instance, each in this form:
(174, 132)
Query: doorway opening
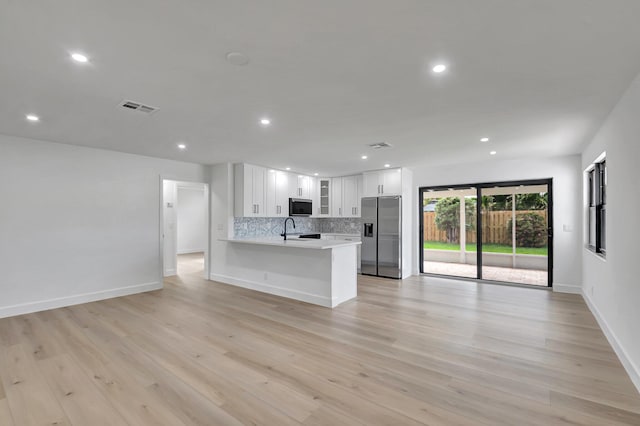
(185, 229)
(491, 231)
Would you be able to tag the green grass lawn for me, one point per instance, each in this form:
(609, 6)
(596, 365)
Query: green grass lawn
(488, 248)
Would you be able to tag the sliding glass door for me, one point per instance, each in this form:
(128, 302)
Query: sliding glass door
(515, 234)
(490, 231)
(449, 237)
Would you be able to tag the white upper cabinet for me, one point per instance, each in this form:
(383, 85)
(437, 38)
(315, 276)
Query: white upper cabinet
(370, 184)
(351, 196)
(300, 186)
(262, 192)
(314, 195)
(250, 190)
(324, 197)
(336, 197)
(345, 196)
(278, 193)
(382, 182)
(392, 182)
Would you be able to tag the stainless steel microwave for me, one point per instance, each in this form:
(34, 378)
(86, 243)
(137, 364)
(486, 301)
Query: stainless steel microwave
(300, 207)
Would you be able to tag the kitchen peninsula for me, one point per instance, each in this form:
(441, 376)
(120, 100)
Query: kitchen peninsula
(318, 271)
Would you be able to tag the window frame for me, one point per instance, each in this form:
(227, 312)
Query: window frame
(596, 180)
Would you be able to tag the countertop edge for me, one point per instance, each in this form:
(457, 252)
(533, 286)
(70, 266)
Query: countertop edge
(307, 244)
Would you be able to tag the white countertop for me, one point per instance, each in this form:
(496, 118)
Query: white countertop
(294, 242)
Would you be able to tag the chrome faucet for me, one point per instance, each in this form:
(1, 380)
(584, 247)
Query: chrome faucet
(284, 234)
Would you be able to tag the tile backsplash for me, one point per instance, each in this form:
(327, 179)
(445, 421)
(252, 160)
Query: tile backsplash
(340, 225)
(252, 227)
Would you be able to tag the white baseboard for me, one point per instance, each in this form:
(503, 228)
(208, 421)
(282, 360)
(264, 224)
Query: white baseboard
(170, 272)
(567, 288)
(277, 291)
(632, 370)
(60, 302)
(189, 251)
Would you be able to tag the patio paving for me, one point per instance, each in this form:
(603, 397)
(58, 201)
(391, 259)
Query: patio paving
(494, 273)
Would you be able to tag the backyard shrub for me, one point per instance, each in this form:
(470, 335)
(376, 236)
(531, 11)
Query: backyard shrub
(448, 217)
(531, 230)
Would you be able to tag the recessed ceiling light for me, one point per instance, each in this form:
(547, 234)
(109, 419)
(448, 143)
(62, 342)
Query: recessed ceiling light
(493, 153)
(288, 168)
(265, 121)
(237, 58)
(182, 146)
(387, 165)
(79, 57)
(32, 117)
(439, 68)
(364, 157)
(484, 140)
(316, 174)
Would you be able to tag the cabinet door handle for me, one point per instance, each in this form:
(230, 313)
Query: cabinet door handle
(257, 208)
(382, 190)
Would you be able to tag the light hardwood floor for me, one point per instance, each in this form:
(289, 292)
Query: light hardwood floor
(419, 351)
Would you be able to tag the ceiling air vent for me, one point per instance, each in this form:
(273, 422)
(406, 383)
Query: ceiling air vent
(380, 145)
(137, 106)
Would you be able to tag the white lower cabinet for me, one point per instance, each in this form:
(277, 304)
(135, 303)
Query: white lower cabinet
(346, 237)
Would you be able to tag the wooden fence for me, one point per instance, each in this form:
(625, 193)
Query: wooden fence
(494, 230)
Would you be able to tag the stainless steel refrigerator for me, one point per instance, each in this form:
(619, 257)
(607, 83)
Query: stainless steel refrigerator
(382, 236)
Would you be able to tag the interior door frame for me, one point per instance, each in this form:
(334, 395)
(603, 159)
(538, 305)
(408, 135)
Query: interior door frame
(479, 187)
(207, 196)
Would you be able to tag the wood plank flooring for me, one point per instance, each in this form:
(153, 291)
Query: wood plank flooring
(418, 351)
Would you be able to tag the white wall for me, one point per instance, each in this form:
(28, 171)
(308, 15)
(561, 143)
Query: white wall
(221, 207)
(567, 202)
(612, 286)
(191, 218)
(78, 224)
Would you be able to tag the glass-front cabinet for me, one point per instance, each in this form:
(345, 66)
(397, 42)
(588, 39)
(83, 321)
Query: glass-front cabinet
(324, 186)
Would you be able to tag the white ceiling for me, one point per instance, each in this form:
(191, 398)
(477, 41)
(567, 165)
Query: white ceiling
(536, 76)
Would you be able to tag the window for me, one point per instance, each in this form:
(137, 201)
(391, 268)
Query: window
(597, 178)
